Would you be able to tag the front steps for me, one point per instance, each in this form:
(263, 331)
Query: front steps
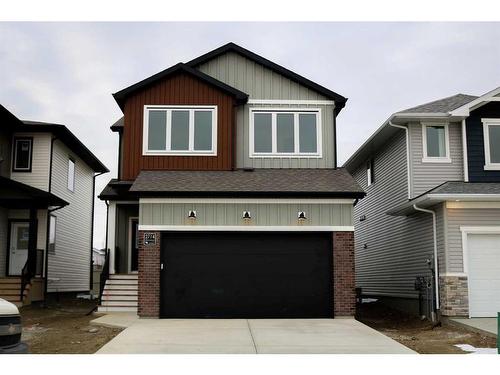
(10, 290)
(120, 294)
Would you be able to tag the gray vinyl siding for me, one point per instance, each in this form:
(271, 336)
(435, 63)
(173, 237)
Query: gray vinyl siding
(426, 176)
(254, 79)
(465, 217)
(40, 166)
(227, 214)
(262, 83)
(441, 230)
(396, 247)
(69, 265)
(244, 160)
(3, 240)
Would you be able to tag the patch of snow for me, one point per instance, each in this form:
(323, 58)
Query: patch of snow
(474, 350)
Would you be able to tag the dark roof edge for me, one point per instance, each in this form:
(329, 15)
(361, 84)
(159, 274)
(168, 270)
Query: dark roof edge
(232, 47)
(250, 194)
(121, 95)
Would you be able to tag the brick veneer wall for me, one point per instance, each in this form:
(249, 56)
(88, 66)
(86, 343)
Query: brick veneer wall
(454, 296)
(344, 292)
(149, 278)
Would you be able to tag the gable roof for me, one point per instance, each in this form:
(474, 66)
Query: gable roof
(122, 95)
(232, 47)
(442, 105)
(437, 109)
(68, 138)
(118, 125)
(465, 109)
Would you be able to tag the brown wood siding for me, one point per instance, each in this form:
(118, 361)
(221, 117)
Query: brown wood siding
(181, 89)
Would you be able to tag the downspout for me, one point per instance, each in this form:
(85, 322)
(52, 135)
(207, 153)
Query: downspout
(407, 153)
(48, 220)
(92, 231)
(107, 220)
(436, 268)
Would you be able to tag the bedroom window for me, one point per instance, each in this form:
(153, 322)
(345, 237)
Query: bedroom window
(491, 132)
(436, 144)
(23, 149)
(282, 133)
(180, 130)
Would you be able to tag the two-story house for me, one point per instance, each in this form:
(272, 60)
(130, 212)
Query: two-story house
(228, 201)
(46, 209)
(432, 177)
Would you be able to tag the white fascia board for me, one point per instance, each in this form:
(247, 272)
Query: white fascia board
(246, 201)
(247, 228)
(466, 108)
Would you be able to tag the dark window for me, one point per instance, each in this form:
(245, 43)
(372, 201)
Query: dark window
(22, 154)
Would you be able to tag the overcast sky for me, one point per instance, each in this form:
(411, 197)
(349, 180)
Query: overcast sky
(65, 72)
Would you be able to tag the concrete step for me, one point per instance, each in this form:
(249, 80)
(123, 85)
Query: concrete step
(115, 297)
(119, 303)
(109, 309)
(121, 282)
(120, 287)
(118, 292)
(127, 276)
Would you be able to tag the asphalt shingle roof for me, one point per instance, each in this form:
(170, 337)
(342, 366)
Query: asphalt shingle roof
(277, 182)
(467, 188)
(442, 105)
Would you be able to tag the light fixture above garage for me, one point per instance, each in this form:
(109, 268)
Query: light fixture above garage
(192, 215)
(301, 215)
(247, 215)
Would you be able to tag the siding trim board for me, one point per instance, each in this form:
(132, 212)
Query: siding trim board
(246, 228)
(243, 200)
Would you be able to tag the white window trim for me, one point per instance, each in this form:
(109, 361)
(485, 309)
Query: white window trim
(436, 159)
(30, 158)
(489, 166)
(168, 151)
(369, 174)
(295, 111)
(72, 188)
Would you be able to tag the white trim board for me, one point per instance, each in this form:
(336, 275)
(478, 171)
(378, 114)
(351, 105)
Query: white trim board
(247, 228)
(467, 205)
(290, 102)
(245, 201)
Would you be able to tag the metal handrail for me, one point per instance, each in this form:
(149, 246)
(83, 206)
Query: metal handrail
(104, 275)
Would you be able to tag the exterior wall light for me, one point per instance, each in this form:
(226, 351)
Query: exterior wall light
(192, 215)
(301, 215)
(247, 215)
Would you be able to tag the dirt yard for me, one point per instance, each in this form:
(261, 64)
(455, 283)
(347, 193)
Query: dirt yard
(63, 327)
(420, 335)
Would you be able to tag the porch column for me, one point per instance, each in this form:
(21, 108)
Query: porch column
(111, 236)
(32, 241)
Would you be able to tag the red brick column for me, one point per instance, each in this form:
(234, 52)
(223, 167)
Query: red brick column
(149, 277)
(344, 287)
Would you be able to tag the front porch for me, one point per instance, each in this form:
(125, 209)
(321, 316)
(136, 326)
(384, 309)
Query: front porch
(24, 238)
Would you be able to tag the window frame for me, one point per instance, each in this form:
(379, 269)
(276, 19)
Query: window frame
(14, 154)
(369, 172)
(488, 164)
(274, 142)
(71, 159)
(52, 251)
(436, 159)
(168, 151)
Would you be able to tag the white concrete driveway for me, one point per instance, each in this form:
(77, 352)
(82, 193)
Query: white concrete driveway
(220, 336)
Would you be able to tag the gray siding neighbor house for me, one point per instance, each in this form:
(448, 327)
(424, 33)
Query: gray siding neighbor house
(432, 179)
(46, 210)
(229, 202)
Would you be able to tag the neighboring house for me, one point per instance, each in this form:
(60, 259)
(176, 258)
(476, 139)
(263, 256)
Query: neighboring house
(438, 161)
(228, 201)
(46, 209)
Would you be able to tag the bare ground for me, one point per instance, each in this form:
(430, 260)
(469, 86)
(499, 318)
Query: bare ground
(419, 335)
(63, 328)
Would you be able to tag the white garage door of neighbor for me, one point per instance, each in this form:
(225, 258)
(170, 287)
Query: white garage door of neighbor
(484, 274)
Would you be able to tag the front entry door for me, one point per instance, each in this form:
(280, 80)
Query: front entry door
(134, 247)
(19, 238)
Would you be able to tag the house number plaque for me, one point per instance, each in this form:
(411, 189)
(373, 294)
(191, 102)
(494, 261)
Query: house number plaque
(149, 238)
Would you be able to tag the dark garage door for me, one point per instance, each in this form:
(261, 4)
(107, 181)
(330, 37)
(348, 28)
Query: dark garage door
(246, 275)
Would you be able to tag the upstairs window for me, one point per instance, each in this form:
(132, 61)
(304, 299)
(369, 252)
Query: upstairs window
(71, 174)
(23, 150)
(436, 144)
(369, 172)
(491, 131)
(180, 130)
(282, 133)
